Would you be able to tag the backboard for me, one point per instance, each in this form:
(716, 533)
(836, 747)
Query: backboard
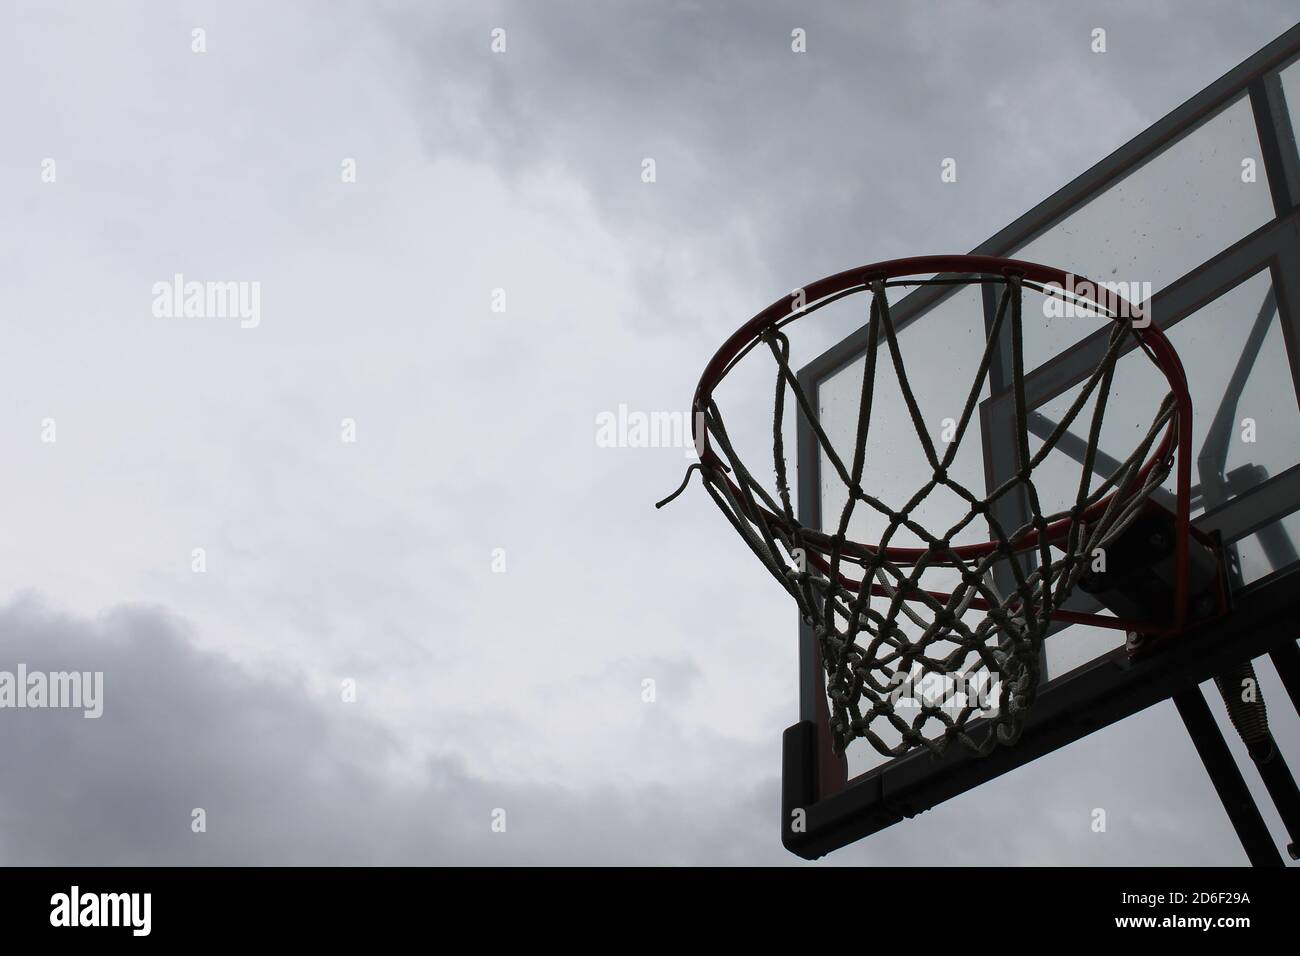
(1199, 216)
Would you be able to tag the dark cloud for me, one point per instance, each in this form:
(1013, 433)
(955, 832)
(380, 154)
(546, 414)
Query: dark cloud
(780, 167)
(291, 777)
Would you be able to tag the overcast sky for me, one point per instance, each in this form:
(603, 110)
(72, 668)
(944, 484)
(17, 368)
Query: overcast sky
(496, 584)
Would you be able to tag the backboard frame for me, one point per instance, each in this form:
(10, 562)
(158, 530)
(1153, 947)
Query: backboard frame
(837, 810)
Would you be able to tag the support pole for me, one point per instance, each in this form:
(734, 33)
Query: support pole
(1286, 658)
(1281, 786)
(1227, 779)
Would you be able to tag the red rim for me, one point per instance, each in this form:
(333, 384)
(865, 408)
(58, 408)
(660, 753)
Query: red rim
(1178, 433)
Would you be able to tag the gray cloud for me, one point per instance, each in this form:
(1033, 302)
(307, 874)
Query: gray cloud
(781, 168)
(290, 777)
(518, 690)
(287, 776)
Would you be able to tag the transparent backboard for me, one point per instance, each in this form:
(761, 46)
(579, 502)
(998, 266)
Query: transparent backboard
(1186, 219)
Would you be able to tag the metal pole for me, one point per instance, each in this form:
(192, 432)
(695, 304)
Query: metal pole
(1281, 787)
(1227, 779)
(1286, 659)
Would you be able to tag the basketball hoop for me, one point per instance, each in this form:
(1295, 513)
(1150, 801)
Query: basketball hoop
(874, 617)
